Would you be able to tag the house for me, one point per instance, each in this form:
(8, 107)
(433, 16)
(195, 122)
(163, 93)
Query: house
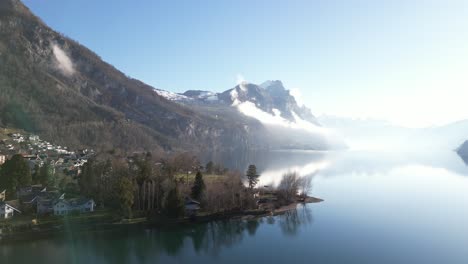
(28, 196)
(30, 190)
(45, 202)
(2, 159)
(9, 209)
(2, 196)
(80, 205)
(191, 206)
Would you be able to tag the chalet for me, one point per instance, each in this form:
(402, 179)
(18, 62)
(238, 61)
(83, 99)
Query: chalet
(79, 205)
(191, 206)
(45, 202)
(8, 209)
(28, 196)
(2, 196)
(30, 190)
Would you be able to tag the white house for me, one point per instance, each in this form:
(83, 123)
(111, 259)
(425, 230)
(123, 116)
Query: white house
(46, 201)
(191, 206)
(80, 205)
(8, 209)
(2, 196)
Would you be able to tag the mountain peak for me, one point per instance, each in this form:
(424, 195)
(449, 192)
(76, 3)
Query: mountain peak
(272, 83)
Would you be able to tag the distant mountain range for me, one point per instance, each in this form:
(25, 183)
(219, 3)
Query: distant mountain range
(55, 87)
(269, 98)
(463, 151)
(369, 133)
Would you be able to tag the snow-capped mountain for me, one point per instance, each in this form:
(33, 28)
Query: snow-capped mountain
(270, 104)
(171, 96)
(270, 97)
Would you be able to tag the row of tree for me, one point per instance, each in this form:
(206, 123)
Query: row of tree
(159, 185)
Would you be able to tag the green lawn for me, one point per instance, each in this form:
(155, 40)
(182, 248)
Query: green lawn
(206, 177)
(21, 220)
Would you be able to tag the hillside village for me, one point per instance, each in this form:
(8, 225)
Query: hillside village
(38, 199)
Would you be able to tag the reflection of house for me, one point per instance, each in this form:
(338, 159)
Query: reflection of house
(191, 206)
(8, 209)
(80, 205)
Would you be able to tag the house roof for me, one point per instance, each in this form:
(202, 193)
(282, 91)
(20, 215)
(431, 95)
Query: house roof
(75, 201)
(14, 204)
(189, 200)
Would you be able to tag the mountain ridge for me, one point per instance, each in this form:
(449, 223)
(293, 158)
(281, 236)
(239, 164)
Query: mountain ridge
(60, 89)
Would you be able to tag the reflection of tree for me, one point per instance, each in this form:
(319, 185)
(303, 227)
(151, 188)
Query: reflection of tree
(198, 236)
(290, 221)
(137, 245)
(270, 220)
(252, 226)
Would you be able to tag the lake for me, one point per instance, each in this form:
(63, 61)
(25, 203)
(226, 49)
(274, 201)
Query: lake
(380, 207)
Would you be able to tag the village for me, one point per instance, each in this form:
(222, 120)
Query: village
(38, 199)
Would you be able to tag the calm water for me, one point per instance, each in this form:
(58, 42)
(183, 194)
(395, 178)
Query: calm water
(379, 208)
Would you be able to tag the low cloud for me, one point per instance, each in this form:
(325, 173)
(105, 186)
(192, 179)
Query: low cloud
(240, 79)
(297, 94)
(63, 62)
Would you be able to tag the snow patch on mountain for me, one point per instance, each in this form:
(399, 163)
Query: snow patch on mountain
(171, 96)
(235, 97)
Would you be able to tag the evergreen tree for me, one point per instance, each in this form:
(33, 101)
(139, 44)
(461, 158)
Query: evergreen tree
(35, 175)
(46, 175)
(15, 173)
(89, 178)
(173, 206)
(209, 167)
(252, 176)
(198, 187)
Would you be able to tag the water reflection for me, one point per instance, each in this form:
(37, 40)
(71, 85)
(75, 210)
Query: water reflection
(138, 245)
(291, 221)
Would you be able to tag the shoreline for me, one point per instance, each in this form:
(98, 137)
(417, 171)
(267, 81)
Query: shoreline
(35, 233)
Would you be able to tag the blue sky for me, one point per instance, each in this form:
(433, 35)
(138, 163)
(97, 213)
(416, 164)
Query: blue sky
(403, 61)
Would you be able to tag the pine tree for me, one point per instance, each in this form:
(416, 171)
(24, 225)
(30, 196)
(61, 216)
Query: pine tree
(173, 206)
(46, 175)
(209, 167)
(35, 175)
(198, 187)
(252, 176)
(15, 173)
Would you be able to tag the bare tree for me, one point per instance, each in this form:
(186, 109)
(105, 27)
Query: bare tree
(305, 185)
(289, 186)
